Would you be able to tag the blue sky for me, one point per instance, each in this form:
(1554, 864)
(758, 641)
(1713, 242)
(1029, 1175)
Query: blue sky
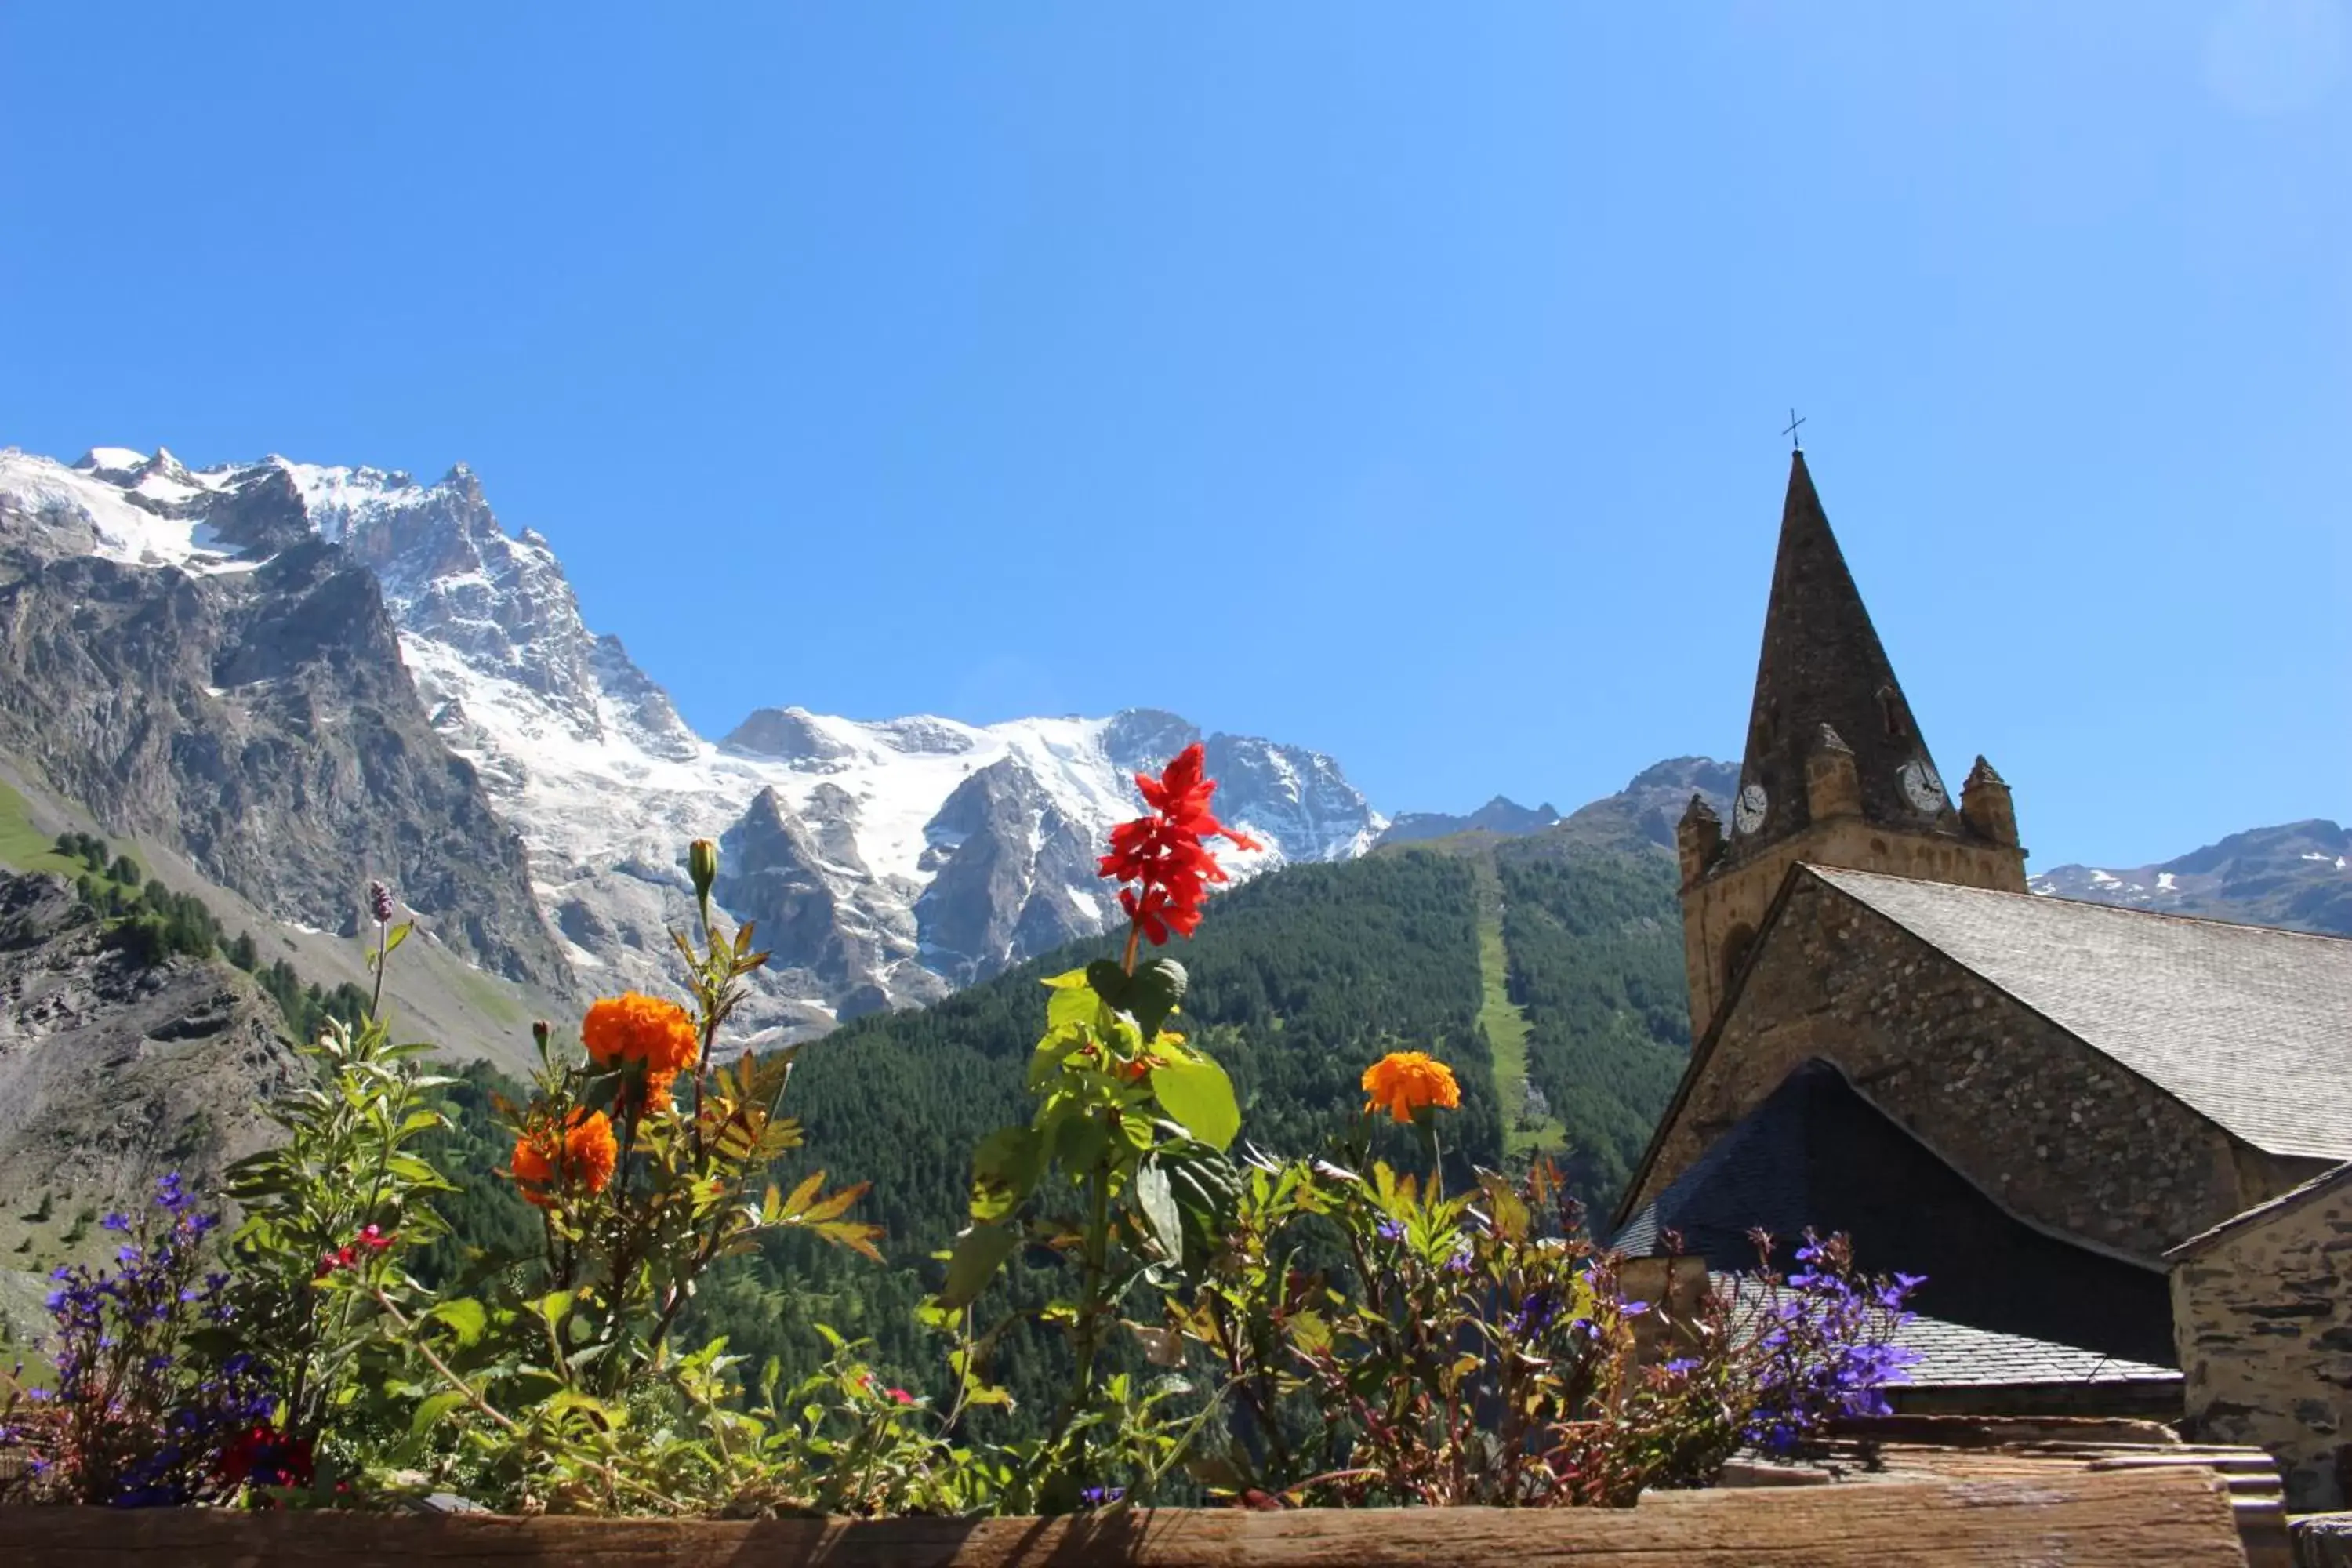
(1401, 380)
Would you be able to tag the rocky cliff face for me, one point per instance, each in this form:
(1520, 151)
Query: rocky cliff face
(1653, 801)
(113, 1072)
(886, 862)
(252, 711)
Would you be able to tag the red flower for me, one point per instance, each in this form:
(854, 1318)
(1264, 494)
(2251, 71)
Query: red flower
(373, 1238)
(264, 1456)
(1162, 854)
(902, 1396)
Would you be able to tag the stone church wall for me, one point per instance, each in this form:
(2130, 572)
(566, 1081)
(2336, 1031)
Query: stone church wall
(2262, 1316)
(1723, 911)
(2058, 1133)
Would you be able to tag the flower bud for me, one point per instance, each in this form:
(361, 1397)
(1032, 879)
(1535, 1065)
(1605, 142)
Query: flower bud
(702, 866)
(538, 1032)
(380, 903)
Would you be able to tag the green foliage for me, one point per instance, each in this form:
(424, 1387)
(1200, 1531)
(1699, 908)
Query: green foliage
(490, 1227)
(306, 1008)
(1295, 983)
(1173, 1308)
(25, 846)
(350, 1168)
(1596, 966)
(555, 1383)
(1122, 1107)
(84, 850)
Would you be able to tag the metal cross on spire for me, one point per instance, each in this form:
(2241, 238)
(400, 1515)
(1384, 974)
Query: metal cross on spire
(1796, 443)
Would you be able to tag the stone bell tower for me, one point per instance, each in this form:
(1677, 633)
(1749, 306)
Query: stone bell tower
(1836, 771)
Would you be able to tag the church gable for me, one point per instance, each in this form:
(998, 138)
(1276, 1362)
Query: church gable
(2058, 1133)
(1817, 1154)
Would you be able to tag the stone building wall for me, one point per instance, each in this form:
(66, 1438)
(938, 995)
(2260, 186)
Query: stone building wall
(2058, 1133)
(1732, 898)
(2261, 1315)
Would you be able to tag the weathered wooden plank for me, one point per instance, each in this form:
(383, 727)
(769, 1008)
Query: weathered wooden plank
(2005, 1431)
(2179, 1518)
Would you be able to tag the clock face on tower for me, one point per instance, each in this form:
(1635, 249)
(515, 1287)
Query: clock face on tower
(1922, 787)
(1748, 812)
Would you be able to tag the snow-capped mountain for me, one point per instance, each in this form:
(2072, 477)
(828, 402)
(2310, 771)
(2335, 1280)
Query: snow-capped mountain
(2298, 874)
(886, 862)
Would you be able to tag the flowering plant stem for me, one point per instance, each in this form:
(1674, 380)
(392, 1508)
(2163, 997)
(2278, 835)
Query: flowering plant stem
(1133, 1122)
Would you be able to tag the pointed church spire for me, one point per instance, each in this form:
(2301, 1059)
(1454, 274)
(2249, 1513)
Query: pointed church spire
(1822, 664)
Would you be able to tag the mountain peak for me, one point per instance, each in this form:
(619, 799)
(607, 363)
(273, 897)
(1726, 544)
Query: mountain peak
(886, 860)
(1501, 815)
(109, 461)
(2296, 874)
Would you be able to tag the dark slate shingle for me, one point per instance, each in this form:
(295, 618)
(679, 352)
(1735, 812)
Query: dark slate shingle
(2247, 1026)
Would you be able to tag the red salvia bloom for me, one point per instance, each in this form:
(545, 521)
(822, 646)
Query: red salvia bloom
(1162, 853)
(264, 1456)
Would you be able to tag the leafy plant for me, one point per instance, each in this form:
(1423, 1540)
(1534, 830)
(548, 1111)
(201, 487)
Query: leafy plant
(646, 1161)
(1120, 1170)
(138, 1413)
(347, 1184)
(1473, 1349)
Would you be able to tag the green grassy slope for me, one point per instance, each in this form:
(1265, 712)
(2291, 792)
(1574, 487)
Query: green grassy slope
(1595, 948)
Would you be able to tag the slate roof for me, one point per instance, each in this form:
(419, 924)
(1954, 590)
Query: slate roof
(2250, 1026)
(1955, 1356)
(2321, 1185)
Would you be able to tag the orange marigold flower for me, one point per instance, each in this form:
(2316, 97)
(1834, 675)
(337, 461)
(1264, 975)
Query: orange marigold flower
(584, 1153)
(657, 1087)
(536, 1154)
(590, 1153)
(1402, 1082)
(634, 1027)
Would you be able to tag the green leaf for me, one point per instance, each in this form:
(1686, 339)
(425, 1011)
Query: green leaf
(430, 1411)
(1199, 1094)
(1078, 1141)
(1207, 1187)
(1154, 991)
(1072, 1002)
(979, 1253)
(465, 1316)
(1156, 1204)
(1147, 996)
(398, 935)
(568, 1399)
(1004, 1170)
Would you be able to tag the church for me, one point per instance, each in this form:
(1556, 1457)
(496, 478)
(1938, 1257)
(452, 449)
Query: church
(2114, 1141)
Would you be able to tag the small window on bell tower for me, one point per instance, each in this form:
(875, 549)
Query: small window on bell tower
(1890, 709)
(1735, 951)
